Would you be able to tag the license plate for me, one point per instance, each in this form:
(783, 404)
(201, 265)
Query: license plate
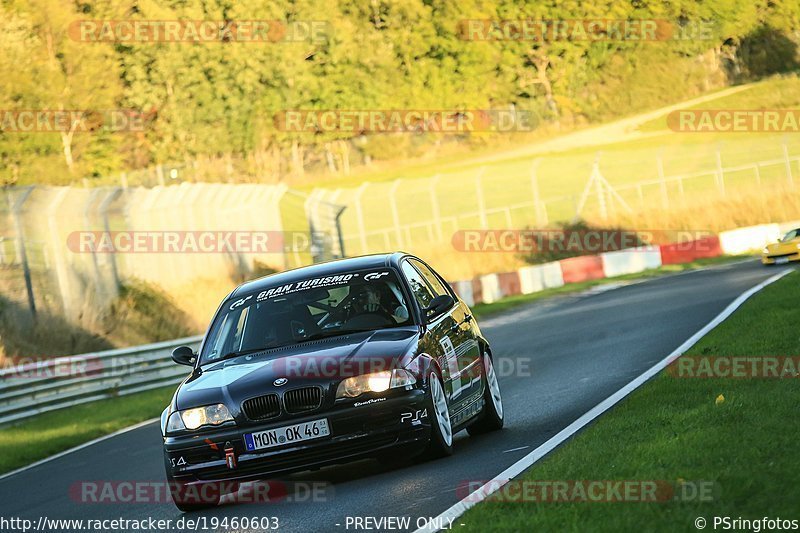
(270, 438)
(781, 260)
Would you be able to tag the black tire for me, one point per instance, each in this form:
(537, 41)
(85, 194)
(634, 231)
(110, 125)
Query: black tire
(491, 416)
(440, 445)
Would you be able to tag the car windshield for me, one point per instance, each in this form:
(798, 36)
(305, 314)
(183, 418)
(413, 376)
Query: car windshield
(308, 309)
(791, 235)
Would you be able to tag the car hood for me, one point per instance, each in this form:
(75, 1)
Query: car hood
(324, 362)
(780, 248)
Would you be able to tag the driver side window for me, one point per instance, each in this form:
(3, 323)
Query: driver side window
(422, 293)
(433, 281)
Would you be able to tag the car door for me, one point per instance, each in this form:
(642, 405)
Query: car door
(467, 380)
(436, 342)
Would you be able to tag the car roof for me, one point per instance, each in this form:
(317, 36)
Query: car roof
(328, 268)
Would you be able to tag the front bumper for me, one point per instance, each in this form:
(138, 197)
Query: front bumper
(767, 259)
(358, 432)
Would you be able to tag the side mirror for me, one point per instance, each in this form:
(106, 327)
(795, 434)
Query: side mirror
(183, 355)
(438, 306)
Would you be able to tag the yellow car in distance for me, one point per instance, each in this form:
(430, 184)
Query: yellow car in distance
(785, 250)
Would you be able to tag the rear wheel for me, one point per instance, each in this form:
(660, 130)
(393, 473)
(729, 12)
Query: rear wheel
(491, 417)
(441, 441)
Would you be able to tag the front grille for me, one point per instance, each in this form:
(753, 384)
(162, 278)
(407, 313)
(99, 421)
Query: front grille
(301, 459)
(262, 407)
(300, 400)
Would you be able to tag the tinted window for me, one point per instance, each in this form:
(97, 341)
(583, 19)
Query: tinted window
(431, 278)
(308, 309)
(416, 282)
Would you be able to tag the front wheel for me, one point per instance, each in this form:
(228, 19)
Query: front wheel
(441, 442)
(491, 416)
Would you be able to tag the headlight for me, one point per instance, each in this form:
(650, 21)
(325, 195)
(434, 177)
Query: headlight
(213, 415)
(175, 423)
(765, 250)
(375, 382)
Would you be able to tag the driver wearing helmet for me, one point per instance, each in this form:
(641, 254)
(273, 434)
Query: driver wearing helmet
(368, 299)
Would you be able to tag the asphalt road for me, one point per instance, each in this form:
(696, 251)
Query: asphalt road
(557, 359)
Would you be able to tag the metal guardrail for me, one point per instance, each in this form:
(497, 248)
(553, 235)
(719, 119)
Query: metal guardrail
(39, 387)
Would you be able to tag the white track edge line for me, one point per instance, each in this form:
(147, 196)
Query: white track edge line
(480, 494)
(79, 447)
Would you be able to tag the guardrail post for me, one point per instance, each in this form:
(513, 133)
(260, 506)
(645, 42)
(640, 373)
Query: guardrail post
(788, 163)
(662, 181)
(720, 174)
(337, 220)
(437, 216)
(481, 201)
(20, 241)
(395, 214)
(541, 214)
(600, 190)
(103, 212)
(362, 230)
(62, 268)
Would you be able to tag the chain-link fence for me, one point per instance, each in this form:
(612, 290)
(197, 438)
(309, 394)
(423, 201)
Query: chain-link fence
(43, 264)
(66, 250)
(541, 192)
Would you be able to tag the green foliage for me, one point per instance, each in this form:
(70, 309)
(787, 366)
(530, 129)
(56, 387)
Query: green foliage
(217, 101)
(571, 239)
(145, 313)
(50, 335)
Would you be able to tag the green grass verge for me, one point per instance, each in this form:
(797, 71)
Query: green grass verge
(50, 433)
(673, 429)
(485, 310)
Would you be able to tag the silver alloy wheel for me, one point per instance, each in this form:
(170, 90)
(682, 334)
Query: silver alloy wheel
(442, 413)
(494, 386)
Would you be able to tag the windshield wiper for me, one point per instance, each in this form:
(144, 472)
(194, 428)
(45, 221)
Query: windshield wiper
(239, 353)
(333, 333)
(315, 336)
